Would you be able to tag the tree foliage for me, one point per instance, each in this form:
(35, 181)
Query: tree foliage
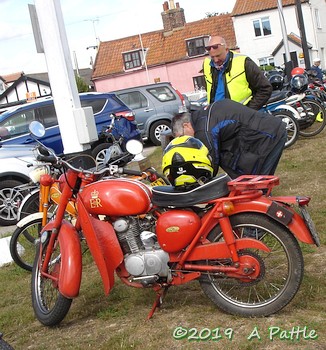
(81, 84)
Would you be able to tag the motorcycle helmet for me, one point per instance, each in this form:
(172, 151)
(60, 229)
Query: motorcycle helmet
(276, 81)
(299, 83)
(186, 161)
(297, 70)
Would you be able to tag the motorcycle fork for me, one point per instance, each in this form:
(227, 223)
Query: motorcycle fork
(64, 199)
(44, 203)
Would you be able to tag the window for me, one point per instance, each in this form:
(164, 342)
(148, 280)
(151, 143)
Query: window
(262, 27)
(162, 93)
(96, 104)
(18, 124)
(134, 99)
(133, 59)
(196, 46)
(318, 21)
(266, 61)
(199, 82)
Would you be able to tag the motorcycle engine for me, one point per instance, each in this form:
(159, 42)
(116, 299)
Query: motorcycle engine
(144, 259)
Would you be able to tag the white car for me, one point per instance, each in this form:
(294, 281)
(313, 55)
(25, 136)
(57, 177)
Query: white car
(15, 161)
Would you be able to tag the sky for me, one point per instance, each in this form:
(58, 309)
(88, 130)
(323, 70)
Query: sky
(86, 23)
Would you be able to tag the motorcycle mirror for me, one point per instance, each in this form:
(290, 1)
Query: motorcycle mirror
(36, 128)
(134, 146)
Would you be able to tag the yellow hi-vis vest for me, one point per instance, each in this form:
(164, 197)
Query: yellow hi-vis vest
(237, 84)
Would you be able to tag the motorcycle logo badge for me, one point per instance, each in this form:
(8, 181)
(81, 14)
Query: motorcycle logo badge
(95, 201)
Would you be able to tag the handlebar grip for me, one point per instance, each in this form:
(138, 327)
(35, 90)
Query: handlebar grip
(49, 159)
(132, 172)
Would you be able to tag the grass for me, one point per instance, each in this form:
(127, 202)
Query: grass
(119, 320)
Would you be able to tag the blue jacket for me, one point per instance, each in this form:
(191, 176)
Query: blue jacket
(238, 138)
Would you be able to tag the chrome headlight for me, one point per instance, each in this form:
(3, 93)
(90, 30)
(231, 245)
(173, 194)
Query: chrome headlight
(35, 174)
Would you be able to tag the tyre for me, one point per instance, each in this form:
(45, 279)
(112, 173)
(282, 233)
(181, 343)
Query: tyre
(50, 306)
(313, 119)
(10, 199)
(30, 205)
(156, 129)
(292, 126)
(280, 270)
(23, 244)
(4, 345)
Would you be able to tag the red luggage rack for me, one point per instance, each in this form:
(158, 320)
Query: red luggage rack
(253, 182)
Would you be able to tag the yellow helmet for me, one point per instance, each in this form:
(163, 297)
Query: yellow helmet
(186, 161)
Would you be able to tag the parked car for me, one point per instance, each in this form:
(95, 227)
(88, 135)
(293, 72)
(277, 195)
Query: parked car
(15, 121)
(14, 161)
(154, 106)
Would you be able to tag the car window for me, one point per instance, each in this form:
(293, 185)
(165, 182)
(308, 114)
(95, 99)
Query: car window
(97, 104)
(134, 99)
(18, 123)
(162, 93)
(47, 116)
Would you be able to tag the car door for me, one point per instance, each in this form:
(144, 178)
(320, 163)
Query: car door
(143, 107)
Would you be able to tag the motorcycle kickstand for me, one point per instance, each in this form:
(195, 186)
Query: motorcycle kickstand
(160, 294)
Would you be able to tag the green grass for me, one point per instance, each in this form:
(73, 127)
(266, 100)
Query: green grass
(119, 320)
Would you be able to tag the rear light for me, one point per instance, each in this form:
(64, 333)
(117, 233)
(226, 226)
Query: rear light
(127, 114)
(182, 108)
(303, 200)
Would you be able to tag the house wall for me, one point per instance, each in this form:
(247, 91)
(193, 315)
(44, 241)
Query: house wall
(263, 46)
(180, 74)
(20, 92)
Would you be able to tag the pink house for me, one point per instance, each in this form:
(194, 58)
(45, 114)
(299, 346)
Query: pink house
(173, 54)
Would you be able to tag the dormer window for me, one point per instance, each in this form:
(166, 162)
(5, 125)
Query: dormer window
(262, 27)
(133, 59)
(196, 46)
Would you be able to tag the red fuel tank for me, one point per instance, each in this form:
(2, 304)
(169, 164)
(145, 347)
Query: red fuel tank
(116, 197)
(176, 228)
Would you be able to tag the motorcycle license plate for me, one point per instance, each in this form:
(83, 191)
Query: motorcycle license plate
(310, 224)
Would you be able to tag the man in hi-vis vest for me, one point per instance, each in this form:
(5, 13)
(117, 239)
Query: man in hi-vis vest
(229, 74)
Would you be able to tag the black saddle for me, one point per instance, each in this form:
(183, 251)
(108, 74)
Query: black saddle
(170, 196)
(277, 96)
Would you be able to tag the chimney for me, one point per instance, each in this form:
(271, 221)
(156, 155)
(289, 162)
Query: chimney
(173, 17)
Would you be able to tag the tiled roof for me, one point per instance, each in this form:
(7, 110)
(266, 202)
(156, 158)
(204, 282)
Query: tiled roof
(162, 47)
(294, 39)
(243, 7)
(12, 77)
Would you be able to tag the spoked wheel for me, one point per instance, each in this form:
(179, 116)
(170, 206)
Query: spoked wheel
(31, 205)
(276, 278)
(49, 305)
(23, 243)
(292, 126)
(313, 119)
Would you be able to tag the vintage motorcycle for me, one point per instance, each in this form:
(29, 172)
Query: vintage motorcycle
(239, 243)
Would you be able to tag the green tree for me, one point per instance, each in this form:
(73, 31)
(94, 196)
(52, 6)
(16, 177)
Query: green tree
(81, 84)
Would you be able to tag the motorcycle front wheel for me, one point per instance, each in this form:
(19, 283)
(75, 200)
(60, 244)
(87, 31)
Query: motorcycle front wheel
(292, 126)
(23, 243)
(313, 119)
(280, 276)
(50, 306)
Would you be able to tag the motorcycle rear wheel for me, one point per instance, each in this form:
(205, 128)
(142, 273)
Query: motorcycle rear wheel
(23, 243)
(50, 306)
(281, 270)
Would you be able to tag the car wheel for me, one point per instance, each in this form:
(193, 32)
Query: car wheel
(10, 199)
(156, 129)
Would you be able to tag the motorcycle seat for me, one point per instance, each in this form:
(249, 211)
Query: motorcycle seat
(277, 96)
(170, 196)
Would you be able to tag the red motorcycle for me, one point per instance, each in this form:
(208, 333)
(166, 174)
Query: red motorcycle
(239, 243)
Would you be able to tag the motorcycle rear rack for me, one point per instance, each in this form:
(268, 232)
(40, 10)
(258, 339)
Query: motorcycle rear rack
(253, 182)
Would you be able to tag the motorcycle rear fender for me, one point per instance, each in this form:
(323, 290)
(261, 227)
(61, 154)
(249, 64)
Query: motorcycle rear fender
(71, 259)
(103, 245)
(31, 217)
(290, 219)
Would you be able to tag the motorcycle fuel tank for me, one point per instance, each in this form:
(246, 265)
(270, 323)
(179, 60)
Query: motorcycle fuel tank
(176, 228)
(116, 197)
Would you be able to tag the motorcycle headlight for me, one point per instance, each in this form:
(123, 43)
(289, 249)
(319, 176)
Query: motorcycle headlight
(35, 174)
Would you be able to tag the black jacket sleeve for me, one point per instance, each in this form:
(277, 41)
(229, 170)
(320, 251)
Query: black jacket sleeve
(260, 86)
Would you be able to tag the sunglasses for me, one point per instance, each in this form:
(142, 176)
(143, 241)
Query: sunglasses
(208, 48)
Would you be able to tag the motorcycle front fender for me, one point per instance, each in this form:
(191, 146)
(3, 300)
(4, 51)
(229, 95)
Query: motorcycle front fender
(290, 109)
(31, 217)
(285, 215)
(103, 245)
(71, 259)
